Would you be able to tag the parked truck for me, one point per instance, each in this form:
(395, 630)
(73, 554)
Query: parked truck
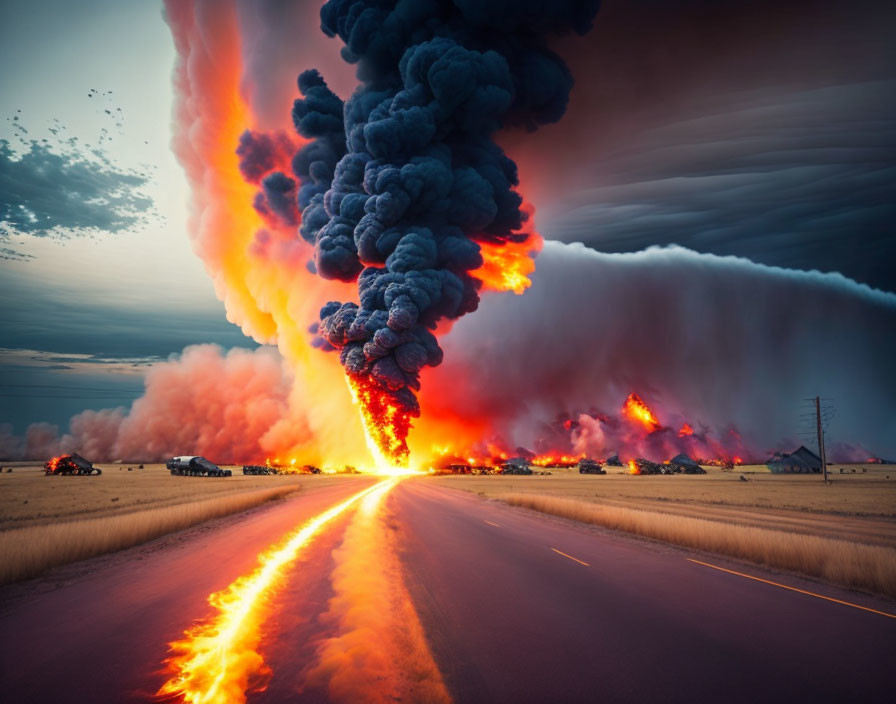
(192, 466)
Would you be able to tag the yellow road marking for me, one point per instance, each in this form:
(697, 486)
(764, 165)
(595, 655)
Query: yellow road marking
(793, 589)
(492, 524)
(574, 559)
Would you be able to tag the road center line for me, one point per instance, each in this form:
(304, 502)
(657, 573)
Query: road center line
(574, 559)
(793, 589)
(492, 524)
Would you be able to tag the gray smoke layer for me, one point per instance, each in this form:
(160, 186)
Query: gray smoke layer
(716, 341)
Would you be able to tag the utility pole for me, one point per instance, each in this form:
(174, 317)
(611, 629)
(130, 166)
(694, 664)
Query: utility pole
(824, 465)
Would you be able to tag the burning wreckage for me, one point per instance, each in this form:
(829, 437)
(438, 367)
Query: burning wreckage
(280, 469)
(680, 464)
(192, 466)
(70, 464)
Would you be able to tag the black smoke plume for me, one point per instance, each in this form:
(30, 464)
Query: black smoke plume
(401, 183)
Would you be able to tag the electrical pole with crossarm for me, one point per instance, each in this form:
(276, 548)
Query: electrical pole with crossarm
(824, 464)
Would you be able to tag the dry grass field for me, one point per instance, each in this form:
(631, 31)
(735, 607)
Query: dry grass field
(843, 532)
(29, 498)
(50, 521)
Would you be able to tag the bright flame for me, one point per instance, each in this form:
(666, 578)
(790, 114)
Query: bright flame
(685, 430)
(386, 427)
(633, 467)
(217, 659)
(636, 410)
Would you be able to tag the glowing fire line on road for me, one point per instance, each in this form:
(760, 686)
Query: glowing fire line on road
(216, 659)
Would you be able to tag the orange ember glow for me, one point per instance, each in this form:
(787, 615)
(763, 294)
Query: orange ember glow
(685, 431)
(217, 661)
(505, 267)
(556, 460)
(53, 464)
(636, 410)
(386, 425)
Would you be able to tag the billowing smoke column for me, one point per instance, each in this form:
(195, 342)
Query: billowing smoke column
(402, 187)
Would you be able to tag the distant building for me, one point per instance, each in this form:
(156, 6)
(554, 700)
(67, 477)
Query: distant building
(800, 461)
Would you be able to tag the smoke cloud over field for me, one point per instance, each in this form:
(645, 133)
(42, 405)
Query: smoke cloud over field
(232, 406)
(712, 341)
(725, 345)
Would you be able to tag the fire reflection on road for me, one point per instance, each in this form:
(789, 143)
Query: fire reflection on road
(217, 661)
(379, 652)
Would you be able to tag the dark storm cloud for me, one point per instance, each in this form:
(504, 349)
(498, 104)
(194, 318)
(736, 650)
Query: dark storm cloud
(755, 128)
(48, 190)
(806, 179)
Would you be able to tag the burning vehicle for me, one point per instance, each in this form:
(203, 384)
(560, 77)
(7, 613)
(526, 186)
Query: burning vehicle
(587, 466)
(192, 466)
(642, 466)
(70, 464)
(614, 461)
(275, 467)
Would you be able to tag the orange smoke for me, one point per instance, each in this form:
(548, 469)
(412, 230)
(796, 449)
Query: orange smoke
(379, 652)
(637, 411)
(258, 269)
(217, 662)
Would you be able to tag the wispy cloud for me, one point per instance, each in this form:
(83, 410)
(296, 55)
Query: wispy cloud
(67, 190)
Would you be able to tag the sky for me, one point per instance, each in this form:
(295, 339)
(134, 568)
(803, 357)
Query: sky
(732, 128)
(94, 300)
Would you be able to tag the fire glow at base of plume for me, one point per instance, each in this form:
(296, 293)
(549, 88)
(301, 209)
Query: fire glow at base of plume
(386, 426)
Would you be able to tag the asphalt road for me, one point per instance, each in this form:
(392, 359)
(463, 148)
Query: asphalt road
(516, 607)
(510, 619)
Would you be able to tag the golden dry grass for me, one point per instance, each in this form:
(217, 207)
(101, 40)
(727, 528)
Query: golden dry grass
(850, 564)
(868, 494)
(28, 497)
(27, 552)
(50, 521)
